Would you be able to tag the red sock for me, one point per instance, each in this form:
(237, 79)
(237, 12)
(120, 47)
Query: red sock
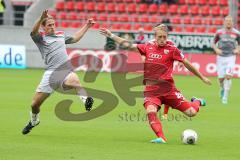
(196, 105)
(166, 108)
(155, 124)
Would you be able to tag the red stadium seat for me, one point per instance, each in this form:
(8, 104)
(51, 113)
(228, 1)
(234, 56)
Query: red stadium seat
(70, 5)
(111, 7)
(142, 8)
(59, 6)
(223, 2)
(52, 13)
(64, 24)
(194, 10)
(79, 6)
(177, 29)
(144, 18)
(191, 2)
(123, 18)
(137, 26)
(176, 20)
(207, 21)
(201, 29)
(212, 30)
(75, 24)
(82, 16)
(116, 26)
(62, 15)
(155, 19)
(121, 7)
(132, 8)
(213, 2)
(205, 10)
(197, 20)
(113, 18)
(72, 16)
(101, 7)
(182, 1)
(102, 17)
(216, 11)
(183, 9)
(163, 8)
(153, 8)
(126, 26)
(187, 20)
(135, 18)
(202, 2)
(90, 6)
(218, 21)
(147, 27)
(225, 11)
(96, 26)
(189, 29)
(128, 1)
(173, 9)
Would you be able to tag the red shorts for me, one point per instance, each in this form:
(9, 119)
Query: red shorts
(173, 98)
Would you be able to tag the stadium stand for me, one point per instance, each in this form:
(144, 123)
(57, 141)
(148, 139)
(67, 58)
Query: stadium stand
(201, 15)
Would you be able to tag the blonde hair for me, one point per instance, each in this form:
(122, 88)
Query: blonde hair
(44, 21)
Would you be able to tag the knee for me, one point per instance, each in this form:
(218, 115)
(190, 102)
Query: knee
(191, 112)
(228, 77)
(35, 104)
(151, 109)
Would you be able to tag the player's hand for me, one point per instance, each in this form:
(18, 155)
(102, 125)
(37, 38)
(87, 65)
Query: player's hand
(218, 51)
(236, 51)
(206, 80)
(105, 32)
(44, 14)
(90, 22)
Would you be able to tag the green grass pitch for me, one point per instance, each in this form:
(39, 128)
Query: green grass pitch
(119, 134)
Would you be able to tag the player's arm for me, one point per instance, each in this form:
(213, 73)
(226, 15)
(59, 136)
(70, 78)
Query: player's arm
(38, 23)
(214, 45)
(79, 34)
(237, 49)
(192, 69)
(125, 43)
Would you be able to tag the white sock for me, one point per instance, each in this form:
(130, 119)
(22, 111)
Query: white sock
(34, 118)
(82, 94)
(226, 85)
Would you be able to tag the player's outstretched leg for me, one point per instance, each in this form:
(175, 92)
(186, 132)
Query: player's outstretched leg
(38, 99)
(72, 82)
(155, 122)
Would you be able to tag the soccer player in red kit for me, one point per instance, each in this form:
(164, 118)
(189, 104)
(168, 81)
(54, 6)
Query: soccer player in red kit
(159, 84)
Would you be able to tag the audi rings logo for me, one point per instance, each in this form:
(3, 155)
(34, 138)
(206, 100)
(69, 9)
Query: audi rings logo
(155, 55)
(99, 61)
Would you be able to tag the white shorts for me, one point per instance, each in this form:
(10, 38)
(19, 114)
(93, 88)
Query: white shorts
(51, 81)
(225, 66)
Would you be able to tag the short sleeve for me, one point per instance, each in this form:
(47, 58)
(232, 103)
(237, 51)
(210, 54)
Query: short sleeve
(67, 38)
(37, 38)
(142, 48)
(178, 55)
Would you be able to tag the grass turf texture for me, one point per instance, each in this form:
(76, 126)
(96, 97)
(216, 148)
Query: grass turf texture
(115, 135)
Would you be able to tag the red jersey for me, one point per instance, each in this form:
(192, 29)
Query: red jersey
(159, 61)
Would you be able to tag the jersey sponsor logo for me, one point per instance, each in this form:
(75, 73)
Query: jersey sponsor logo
(155, 56)
(166, 51)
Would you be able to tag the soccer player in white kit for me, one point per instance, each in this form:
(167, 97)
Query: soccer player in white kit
(226, 46)
(59, 73)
